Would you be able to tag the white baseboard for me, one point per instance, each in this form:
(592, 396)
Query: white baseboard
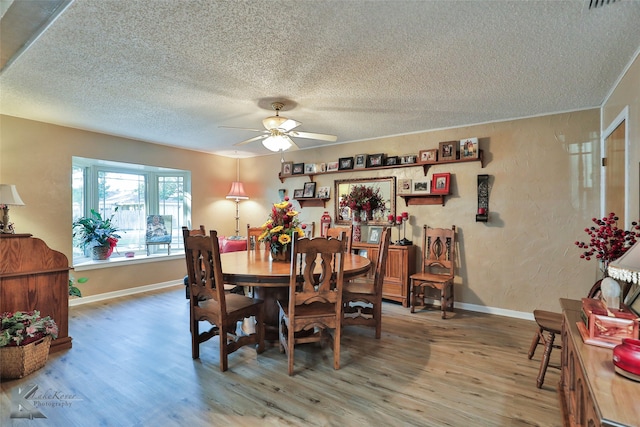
(140, 289)
(124, 292)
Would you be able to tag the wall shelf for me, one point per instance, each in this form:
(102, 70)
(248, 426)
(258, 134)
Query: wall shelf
(425, 167)
(312, 202)
(423, 199)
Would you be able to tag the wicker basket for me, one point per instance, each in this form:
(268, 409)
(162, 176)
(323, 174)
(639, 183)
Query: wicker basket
(18, 361)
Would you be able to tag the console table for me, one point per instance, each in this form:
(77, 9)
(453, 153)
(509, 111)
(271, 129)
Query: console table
(591, 393)
(401, 264)
(35, 277)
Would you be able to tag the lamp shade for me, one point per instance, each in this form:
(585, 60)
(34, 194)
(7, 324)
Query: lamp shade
(237, 191)
(277, 143)
(9, 195)
(627, 267)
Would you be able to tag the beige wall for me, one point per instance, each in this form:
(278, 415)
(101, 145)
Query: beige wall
(545, 188)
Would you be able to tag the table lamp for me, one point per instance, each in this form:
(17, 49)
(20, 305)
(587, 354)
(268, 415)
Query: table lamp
(8, 196)
(237, 192)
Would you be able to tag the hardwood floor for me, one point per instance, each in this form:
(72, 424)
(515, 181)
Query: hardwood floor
(131, 365)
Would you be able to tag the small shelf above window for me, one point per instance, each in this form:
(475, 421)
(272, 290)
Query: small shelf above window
(423, 199)
(312, 202)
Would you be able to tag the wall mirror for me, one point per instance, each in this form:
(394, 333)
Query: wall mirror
(387, 187)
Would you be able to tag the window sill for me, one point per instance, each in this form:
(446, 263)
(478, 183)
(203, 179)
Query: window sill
(123, 261)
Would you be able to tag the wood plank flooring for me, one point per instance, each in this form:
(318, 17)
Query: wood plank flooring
(131, 365)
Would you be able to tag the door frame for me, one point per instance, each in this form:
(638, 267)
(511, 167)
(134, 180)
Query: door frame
(623, 116)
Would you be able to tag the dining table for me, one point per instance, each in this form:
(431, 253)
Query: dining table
(269, 279)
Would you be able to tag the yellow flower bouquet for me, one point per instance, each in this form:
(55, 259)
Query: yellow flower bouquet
(281, 227)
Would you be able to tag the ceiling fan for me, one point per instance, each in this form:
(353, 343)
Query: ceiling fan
(279, 130)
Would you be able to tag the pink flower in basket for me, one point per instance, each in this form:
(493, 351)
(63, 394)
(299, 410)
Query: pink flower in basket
(24, 327)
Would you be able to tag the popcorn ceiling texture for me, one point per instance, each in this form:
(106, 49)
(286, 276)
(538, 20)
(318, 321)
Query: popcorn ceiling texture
(172, 72)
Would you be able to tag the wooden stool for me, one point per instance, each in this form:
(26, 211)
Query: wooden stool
(551, 323)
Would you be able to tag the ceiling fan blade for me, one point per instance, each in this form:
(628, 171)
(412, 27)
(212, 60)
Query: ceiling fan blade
(311, 135)
(293, 144)
(255, 138)
(289, 124)
(233, 127)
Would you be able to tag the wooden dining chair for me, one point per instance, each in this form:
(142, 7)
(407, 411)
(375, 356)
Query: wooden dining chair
(315, 300)
(209, 302)
(362, 298)
(195, 232)
(252, 238)
(335, 233)
(549, 325)
(438, 264)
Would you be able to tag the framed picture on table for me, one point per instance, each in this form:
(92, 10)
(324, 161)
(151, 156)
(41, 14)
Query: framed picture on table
(374, 235)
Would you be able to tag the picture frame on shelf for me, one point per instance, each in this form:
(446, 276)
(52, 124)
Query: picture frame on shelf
(447, 150)
(360, 161)
(321, 167)
(324, 192)
(422, 186)
(375, 160)
(440, 183)
(428, 156)
(345, 163)
(309, 168)
(374, 235)
(408, 159)
(332, 166)
(298, 193)
(309, 190)
(404, 186)
(286, 168)
(298, 169)
(469, 148)
(391, 161)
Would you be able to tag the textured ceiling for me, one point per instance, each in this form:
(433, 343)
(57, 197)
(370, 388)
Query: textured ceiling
(171, 72)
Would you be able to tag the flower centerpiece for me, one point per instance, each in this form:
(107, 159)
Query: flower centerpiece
(25, 327)
(280, 229)
(97, 234)
(362, 199)
(608, 242)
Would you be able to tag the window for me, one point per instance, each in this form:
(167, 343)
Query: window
(138, 191)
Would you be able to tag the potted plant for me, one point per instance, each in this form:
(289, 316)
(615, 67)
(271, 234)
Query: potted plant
(96, 233)
(280, 229)
(25, 338)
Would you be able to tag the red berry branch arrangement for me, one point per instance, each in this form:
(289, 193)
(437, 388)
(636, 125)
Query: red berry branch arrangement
(608, 242)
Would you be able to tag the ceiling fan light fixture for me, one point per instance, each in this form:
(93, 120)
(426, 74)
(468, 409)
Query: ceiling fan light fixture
(273, 122)
(277, 143)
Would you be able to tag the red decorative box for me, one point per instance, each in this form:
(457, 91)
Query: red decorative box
(606, 328)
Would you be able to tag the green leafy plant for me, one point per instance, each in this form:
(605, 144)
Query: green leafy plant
(92, 231)
(24, 327)
(73, 289)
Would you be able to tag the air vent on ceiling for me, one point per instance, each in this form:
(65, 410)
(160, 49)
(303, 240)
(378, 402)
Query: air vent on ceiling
(599, 3)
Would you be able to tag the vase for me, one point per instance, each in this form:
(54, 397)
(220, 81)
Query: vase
(626, 358)
(281, 255)
(357, 230)
(101, 252)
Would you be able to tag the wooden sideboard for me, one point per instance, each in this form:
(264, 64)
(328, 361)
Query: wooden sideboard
(591, 393)
(35, 277)
(401, 264)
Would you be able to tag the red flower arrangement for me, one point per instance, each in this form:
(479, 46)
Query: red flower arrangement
(362, 198)
(608, 242)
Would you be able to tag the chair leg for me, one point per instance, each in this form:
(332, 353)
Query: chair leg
(535, 342)
(224, 363)
(443, 301)
(336, 347)
(377, 313)
(545, 358)
(413, 297)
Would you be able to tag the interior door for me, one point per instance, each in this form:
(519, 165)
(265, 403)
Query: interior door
(615, 173)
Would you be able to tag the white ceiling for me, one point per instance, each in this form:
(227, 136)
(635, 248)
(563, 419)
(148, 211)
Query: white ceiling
(171, 72)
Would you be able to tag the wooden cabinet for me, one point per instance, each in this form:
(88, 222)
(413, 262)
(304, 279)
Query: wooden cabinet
(35, 277)
(591, 393)
(401, 263)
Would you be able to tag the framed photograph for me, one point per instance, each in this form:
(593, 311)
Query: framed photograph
(361, 161)
(298, 169)
(422, 187)
(345, 163)
(322, 167)
(440, 183)
(405, 160)
(297, 194)
(633, 302)
(469, 148)
(332, 166)
(323, 192)
(447, 150)
(428, 156)
(363, 252)
(309, 168)
(375, 160)
(374, 235)
(309, 190)
(391, 161)
(286, 168)
(404, 186)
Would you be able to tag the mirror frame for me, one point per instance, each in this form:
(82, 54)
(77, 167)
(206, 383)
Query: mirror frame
(387, 185)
